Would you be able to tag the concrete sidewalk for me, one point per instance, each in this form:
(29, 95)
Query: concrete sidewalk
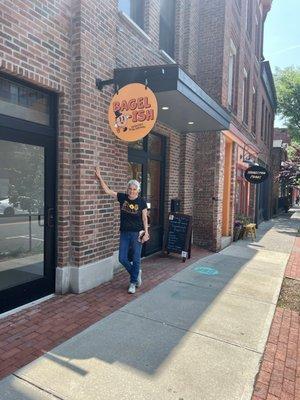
(199, 335)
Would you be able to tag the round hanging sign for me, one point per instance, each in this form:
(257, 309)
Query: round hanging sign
(256, 174)
(132, 112)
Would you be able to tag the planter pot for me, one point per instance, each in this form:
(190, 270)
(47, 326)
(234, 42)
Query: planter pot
(237, 232)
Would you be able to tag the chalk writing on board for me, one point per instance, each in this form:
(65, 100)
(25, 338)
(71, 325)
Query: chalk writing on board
(179, 234)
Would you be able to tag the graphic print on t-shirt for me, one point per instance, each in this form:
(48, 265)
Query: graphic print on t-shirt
(130, 208)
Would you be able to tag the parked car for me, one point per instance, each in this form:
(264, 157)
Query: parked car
(9, 210)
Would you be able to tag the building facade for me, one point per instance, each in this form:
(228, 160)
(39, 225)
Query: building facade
(232, 70)
(285, 172)
(203, 60)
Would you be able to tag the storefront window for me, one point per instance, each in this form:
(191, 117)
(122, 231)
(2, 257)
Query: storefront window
(21, 213)
(135, 171)
(24, 102)
(242, 194)
(154, 145)
(137, 145)
(153, 190)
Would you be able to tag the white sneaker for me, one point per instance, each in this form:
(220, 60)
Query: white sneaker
(131, 288)
(139, 279)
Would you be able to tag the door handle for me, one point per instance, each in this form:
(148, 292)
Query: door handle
(39, 219)
(50, 218)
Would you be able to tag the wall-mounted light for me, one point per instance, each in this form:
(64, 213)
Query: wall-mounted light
(191, 123)
(165, 108)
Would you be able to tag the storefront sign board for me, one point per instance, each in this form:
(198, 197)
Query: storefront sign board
(132, 112)
(256, 174)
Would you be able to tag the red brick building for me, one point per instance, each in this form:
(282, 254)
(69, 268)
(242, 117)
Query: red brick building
(283, 188)
(216, 104)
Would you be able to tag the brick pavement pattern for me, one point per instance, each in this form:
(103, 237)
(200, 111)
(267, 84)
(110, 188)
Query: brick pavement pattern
(279, 375)
(28, 334)
(293, 267)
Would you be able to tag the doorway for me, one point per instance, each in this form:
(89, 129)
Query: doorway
(27, 194)
(146, 163)
(226, 216)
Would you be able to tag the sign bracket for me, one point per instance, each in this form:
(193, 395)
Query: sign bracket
(100, 83)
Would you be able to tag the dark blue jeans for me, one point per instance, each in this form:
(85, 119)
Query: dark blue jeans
(129, 240)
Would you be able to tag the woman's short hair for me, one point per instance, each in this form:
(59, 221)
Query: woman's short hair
(135, 183)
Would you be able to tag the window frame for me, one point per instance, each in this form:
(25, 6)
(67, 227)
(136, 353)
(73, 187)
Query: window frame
(245, 96)
(254, 109)
(262, 119)
(257, 36)
(167, 32)
(249, 17)
(232, 67)
(136, 13)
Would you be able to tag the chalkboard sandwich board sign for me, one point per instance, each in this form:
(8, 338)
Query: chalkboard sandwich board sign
(179, 233)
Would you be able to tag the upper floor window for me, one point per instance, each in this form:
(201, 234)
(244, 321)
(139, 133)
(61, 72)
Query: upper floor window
(257, 37)
(167, 26)
(135, 9)
(245, 96)
(249, 17)
(238, 3)
(266, 133)
(232, 67)
(254, 109)
(262, 120)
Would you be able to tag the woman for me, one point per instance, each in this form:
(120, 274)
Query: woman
(133, 228)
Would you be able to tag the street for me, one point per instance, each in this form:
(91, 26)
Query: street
(14, 233)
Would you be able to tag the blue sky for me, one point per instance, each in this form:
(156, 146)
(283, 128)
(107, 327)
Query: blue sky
(282, 36)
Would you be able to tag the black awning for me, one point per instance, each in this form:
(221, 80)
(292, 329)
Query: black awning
(187, 107)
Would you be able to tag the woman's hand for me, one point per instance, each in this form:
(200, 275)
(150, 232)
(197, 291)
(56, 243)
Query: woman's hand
(146, 237)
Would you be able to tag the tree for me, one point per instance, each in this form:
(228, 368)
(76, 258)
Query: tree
(287, 83)
(22, 166)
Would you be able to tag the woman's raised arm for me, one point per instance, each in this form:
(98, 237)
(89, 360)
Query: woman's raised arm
(106, 189)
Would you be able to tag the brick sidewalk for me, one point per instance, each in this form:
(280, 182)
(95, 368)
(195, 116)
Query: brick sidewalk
(28, 334)
(279, 375)
(293, 267)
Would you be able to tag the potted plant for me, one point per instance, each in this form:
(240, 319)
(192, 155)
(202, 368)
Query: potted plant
(239, 226)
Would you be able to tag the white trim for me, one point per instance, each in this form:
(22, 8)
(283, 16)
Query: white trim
(135, 26)
(232, 47)
(166, 56)
(231, 72)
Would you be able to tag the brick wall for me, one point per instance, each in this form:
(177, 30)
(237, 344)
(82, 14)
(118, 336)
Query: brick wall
(187, 171)
(36, 44)
(208, 192)
(211, 44)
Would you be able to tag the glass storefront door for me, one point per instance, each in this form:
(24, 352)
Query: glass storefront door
(25, 272)
(21, 209)
(146, 164)
(27, 195)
